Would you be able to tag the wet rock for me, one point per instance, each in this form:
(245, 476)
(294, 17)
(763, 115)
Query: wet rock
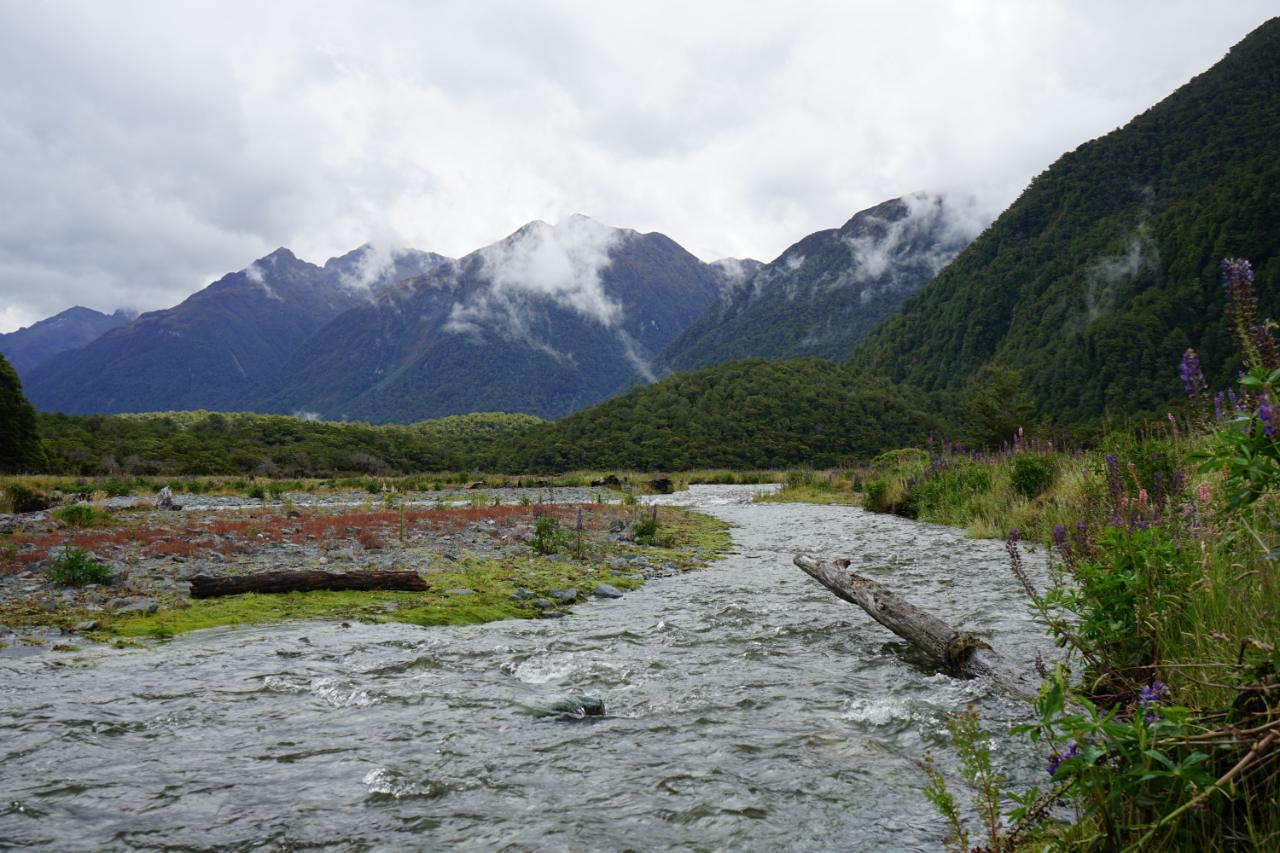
(564, 596)
(521, 594)
(572, 708)
(543, 603)
(86, 626)
(662, 485)
(604, 590)
(618, 526)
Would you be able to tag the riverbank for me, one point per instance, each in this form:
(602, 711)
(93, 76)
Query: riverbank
(482, 561)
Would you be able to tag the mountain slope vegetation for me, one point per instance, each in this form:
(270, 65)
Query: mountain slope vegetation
(826, 292)
(1106, 268)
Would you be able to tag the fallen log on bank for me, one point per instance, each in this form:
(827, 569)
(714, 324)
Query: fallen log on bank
(948, 646)
(204, 586)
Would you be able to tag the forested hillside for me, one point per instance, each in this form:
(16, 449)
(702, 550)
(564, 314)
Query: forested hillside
(1094, 282)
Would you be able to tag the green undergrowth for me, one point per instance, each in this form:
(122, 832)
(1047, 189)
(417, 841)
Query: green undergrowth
(1031, 491)
(813, 487)
(686, 540)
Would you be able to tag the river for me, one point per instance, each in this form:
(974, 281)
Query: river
(747, 709)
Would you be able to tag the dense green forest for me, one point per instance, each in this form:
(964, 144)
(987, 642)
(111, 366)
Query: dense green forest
(20, 448)
(1106, 269)
(745, 414)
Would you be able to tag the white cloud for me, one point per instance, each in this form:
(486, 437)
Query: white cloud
(146, 148)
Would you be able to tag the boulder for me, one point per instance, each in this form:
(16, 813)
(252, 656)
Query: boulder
(604, 590)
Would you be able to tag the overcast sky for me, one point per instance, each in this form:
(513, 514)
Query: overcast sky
(146, 149)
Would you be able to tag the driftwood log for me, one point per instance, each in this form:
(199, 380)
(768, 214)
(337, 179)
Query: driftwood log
(203, 586)
(936, 638)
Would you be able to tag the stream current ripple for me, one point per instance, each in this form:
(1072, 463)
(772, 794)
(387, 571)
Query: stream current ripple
(747, 709)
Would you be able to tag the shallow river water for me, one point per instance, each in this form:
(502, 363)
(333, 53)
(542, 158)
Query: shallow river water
(747, 709)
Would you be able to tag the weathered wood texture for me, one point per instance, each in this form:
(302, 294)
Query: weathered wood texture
(923, 630)
(203, 586)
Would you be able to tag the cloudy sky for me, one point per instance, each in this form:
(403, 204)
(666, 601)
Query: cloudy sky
(146, 149)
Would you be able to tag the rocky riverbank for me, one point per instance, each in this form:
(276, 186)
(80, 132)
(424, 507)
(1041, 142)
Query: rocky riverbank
(486, 560)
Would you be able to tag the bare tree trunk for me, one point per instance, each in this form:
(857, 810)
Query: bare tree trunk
(203, 586)
(926, 632)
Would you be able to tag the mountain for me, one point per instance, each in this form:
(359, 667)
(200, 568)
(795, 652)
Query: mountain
(823, 294)
(33, 345)
(217, 346)
(1106, 268)
(545, 322)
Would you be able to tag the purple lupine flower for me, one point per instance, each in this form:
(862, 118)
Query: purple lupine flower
(1192, 375)
(1056, 760)
(1015, 562)
(1154, 693)
(1158, 494)
(1064, 547)
(579, 518)
(1150, 698)
(654, 515)
(1217, 406)
(1236, 271)
(1040, 667)
(1267, 416)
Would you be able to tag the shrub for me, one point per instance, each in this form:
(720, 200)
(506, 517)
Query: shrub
(546, 534)
(117, 488)
(645, 531)
(1032, 475)
(75, 567)
(78, 515)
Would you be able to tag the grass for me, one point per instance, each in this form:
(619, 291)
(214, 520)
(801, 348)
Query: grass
(814, 487)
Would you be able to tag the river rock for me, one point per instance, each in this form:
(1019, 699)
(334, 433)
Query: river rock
(573, 708)
(604, 590)
(521, 594)
(460, 591)
(564, 596)
(543, 603)
(86, 626)
(144, 606)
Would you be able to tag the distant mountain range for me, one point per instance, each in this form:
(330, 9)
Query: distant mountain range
(546, 321)
(214, 349)
(826, 292)
(33, 345)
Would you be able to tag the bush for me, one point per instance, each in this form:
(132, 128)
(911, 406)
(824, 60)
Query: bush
(1032, 475)
(78, 515)
(117, 488)
(546, 534)
(76, 568)
(645, 531)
